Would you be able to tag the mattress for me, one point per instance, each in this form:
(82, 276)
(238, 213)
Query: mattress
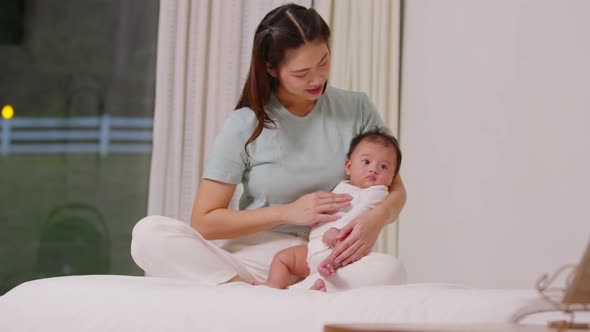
(123, 303)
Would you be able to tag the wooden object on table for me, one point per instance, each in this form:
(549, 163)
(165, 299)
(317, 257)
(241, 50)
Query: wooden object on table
(441, 328)
(578, 291)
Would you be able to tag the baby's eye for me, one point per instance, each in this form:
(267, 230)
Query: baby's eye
(383, 166)
(365, 162)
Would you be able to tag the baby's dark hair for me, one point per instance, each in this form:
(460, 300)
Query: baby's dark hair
(381, 135)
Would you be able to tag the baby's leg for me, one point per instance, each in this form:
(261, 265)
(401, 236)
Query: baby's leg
(287, 262)
(328, 267)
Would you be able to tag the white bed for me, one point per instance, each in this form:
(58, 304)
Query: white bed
(124, 303)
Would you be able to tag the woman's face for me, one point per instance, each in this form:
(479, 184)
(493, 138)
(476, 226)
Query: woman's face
(304, 71)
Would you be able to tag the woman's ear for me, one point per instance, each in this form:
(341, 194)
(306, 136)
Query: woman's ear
(347, 167)
(271, 71)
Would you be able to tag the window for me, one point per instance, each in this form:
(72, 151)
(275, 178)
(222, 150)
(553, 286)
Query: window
(77, 82)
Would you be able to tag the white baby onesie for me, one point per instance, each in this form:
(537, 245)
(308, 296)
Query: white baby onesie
(362, 200)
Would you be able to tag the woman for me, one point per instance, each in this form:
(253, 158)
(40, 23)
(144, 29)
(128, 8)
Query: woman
(286, 143)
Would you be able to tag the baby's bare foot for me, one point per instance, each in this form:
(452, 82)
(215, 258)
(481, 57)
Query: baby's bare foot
(319, 285)
(326, 270)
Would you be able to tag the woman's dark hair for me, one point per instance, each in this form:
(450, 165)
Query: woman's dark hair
(381, 135)
(286, 27)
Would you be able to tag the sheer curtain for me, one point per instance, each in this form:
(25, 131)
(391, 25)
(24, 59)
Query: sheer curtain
(365, 45)
(204, 51)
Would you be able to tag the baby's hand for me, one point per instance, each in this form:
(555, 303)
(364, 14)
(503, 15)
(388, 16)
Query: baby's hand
(330, 237)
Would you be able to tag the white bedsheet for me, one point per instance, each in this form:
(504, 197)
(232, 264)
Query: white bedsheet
(123, 303)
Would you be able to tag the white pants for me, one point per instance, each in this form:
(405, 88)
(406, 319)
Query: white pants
(165, 247)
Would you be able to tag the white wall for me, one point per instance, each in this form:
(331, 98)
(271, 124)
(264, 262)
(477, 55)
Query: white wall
(495, 131)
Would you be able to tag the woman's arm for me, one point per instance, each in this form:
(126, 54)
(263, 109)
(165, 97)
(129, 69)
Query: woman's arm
(212, 218)
(358, 237)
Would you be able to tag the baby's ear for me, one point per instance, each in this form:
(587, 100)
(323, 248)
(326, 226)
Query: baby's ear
(347, 167)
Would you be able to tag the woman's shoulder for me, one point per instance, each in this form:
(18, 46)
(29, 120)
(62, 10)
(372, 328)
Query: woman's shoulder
(238, 124)
(344, 95)
(244, 115)
(348, 105)
(347, 101)
(241, 118)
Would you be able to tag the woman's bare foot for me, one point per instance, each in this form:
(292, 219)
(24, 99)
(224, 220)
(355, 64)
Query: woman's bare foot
(326, 270)
(267, 284)
(235, 279)
(319, 285)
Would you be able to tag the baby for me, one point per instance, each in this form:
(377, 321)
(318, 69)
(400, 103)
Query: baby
(373, 160)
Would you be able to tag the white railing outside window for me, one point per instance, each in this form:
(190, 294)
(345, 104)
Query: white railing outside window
(103, 135)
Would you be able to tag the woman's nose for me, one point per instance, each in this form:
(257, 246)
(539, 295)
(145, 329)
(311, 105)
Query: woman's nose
(318, 78)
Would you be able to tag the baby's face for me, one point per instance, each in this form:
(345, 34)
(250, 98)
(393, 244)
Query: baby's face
(371, 164)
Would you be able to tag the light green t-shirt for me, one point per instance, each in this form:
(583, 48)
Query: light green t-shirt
(301, 155)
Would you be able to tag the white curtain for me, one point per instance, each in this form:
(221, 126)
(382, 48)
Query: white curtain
(204, 49)
(366, 57)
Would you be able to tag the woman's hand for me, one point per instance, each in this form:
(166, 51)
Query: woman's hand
(357, 238)
(315, 208)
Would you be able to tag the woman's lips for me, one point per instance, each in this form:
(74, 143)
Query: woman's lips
(315, 91)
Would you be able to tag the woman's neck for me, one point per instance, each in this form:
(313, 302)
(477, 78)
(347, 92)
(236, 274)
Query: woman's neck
(296, 105)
